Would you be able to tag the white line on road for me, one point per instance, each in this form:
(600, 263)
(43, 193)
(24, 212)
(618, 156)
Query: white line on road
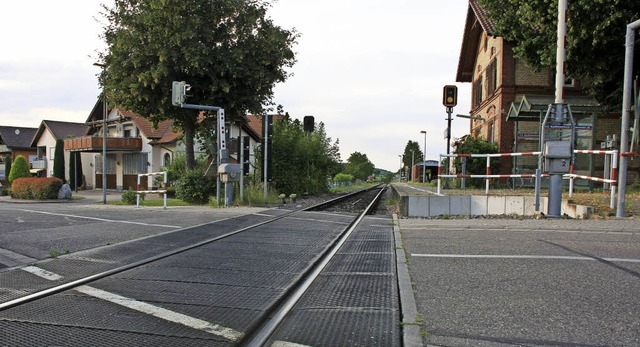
(496, 256)
(42, 273)
(143, 307)
(162, 313)
(104, 220)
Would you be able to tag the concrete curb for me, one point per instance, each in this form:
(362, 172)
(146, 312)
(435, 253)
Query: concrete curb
(411, 336)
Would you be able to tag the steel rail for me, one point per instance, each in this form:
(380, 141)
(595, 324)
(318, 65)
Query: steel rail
(277, 315)
(88, 279)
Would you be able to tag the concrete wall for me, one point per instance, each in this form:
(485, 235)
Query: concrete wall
(479, 205)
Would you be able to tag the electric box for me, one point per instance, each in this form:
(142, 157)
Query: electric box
(557, 157)
(229, 172)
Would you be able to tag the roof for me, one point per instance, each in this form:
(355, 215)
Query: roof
(60, 130)
(255, 122)
(17, 137)
(477, 22)
(534, 107)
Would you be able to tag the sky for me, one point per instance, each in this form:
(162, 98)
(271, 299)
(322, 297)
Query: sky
(371, 70)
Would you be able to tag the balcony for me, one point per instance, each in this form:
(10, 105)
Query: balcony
(39, 164)
(94, 144)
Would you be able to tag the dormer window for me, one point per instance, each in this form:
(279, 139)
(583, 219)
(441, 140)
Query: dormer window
(129, 130)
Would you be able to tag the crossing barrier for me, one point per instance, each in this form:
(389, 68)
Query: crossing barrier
(161, 191)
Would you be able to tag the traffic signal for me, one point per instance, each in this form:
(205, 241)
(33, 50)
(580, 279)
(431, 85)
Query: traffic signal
(309, 124)
(179, 92)
(450, 96)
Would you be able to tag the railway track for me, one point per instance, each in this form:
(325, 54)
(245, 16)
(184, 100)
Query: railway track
(233, 283)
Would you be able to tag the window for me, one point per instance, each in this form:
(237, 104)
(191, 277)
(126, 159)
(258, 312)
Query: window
(477, 92)
(569, 82)
(166, 160)
(52, 152)
(112, 131)
(492, 77)
(129, 130)
(492, 132)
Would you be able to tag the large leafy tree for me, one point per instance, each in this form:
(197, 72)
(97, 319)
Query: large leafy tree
(229, 51)
(359, 166)
(595, 38)
(302, 162)
(412, 155)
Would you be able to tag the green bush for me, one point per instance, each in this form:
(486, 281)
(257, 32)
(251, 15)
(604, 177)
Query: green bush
(130, 197)
(343, 178)
(58, 161)
(195, 188)
(36, 188)
(19, 169)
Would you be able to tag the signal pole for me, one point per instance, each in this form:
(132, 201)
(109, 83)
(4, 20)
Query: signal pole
(449, 100)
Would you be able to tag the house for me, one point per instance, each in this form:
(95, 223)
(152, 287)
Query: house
(509, 99)
(44, 141)
(15, 141)
(134, 146)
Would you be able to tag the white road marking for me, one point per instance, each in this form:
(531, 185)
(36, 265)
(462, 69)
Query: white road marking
(287, 344)
(42, 273)
(143, 307)
(496, 256)
(104, 220)
(162, 313)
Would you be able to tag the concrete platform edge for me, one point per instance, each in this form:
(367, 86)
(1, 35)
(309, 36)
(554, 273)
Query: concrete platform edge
(410, 326)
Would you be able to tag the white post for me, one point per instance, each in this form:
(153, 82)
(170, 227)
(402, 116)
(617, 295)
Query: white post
(439, 172)
(612, 203)
(165, 190)
(138, 193)
(488, 173)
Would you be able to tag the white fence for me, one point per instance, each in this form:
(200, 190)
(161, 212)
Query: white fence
(163, 191)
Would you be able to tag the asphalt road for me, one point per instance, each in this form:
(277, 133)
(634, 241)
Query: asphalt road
(526, 283)
(42, 230)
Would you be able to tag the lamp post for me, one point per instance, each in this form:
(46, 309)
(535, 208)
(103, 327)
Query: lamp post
(104, 139)
(424, 160)
(401, 166)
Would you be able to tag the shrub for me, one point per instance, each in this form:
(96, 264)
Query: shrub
(58, 160)
(130, 197)
(19, 169)
(343, 178)
(195, 188)
(36, 188)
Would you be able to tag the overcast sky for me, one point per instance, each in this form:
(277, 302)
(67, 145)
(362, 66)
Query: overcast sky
(371, 70)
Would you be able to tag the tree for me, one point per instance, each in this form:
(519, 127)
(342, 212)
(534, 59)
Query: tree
(75, 163)
(359, 166)
(58, 161)
(229, 51)
(478, 166)
(595, 39)
(19, 169)
(412, 155)
(301, 162)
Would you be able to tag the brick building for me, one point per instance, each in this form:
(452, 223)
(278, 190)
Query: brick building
(509, 100)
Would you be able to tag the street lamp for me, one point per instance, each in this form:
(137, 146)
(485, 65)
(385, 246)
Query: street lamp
(104, 139)
(401, 166)
(424, 160)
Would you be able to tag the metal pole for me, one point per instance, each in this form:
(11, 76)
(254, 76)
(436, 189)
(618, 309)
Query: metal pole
(449, 111)
(75, 170)
(104, 147)
(555, 180)
(626, 114)
(424, 157)
(264, 156)
(242, 159)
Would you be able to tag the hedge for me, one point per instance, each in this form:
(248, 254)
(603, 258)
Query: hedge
(36, 188)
